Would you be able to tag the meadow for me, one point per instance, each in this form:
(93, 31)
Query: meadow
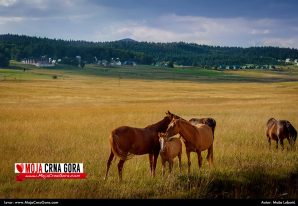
(69, 118)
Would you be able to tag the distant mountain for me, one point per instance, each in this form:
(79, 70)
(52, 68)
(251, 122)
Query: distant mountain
(127, 40)
(20, 46)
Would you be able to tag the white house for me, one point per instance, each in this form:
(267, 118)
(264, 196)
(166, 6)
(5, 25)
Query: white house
(130, 63)
(116, 62)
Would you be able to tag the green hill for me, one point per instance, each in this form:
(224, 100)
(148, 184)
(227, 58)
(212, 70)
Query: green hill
(19, 47)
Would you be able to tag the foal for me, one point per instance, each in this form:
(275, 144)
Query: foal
(169, 149)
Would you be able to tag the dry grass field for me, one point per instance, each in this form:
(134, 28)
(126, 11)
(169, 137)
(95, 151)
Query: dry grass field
(69, 119)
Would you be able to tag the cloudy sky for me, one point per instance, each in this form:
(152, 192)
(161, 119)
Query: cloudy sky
(242, 23)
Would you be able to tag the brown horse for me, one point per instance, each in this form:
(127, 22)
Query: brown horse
(170, 148)
(199, 137)
(279, 130)
(195, 121)
(127, 141)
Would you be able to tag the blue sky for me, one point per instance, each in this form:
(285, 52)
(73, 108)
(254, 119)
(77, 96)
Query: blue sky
(241, 23)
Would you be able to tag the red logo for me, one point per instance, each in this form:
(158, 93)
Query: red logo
(49, 171)
(20, 167)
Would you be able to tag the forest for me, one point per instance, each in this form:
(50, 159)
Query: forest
(19, 47)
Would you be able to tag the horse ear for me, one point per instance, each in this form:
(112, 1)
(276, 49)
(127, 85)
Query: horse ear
(176, 117)
(168, 113)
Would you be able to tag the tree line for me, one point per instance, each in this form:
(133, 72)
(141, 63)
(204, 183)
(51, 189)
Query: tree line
(18, 47)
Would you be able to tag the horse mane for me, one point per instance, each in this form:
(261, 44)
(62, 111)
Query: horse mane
(173, 116)
(157, 125)
(173, 138)
(178, 117)
(193, 126)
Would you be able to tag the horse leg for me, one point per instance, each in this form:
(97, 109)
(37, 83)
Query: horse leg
(210, 155)
(155, 156)
(170, 165)
(188, 160)
(281, 144)
(151, 164)
(291, 142)
(276, 144)
(109, 164)
(120, 167)
(163, 167)
(199, 158)
(269, 142)
(293, 147)
(180, 165)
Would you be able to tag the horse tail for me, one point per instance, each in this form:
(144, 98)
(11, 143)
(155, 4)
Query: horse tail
(213, 125)
(291, 130)
(114, 142)
(271, 122)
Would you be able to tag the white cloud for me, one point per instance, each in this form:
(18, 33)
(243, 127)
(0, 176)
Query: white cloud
(147, 33)
(219, 26)
(90, 21)
(6, 20)
(260, 31)
(280, 42)
(202, 30)
(7, 3)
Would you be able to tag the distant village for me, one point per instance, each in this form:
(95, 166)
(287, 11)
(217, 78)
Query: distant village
(44, 61)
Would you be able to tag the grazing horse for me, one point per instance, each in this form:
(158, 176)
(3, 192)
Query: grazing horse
(199, 137)
(127, 141)
(279, 130)
(195, 121)
(169, 149)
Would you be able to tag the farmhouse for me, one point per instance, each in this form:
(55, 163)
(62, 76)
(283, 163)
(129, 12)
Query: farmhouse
(103, 62)
(40, 62)
(115, 62)
(129, 63)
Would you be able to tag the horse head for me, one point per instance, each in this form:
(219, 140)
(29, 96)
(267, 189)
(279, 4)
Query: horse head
(173, 128)
(171, 115)
(162, 137)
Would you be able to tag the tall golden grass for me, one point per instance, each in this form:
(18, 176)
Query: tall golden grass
(69, 120)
